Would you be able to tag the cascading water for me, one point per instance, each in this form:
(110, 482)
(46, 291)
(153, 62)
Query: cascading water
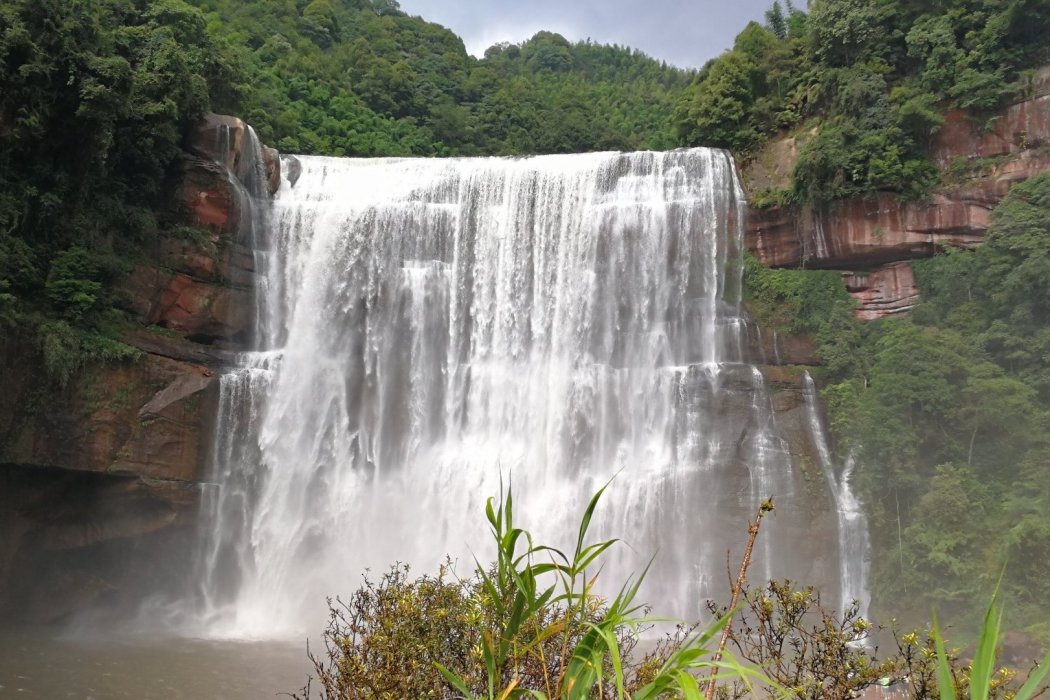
(430, 327)
(852, 523)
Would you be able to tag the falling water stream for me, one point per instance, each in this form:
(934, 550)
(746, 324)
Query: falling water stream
(431, 329)
(852, 524)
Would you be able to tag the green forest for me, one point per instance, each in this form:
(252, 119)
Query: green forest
(346, 78)
(97, 96)
(947, 410)
(866, 84)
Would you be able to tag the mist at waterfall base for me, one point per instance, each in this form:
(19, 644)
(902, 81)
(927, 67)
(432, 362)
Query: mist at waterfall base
(432, 330)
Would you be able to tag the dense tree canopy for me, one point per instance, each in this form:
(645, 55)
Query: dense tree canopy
(865, 83)
(95, 96)
(353, 77)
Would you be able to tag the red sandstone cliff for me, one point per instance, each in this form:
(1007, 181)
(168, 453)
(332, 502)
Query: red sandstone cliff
(871, 239)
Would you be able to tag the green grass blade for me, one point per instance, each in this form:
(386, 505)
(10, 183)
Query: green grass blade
(585, 522)
(690, 688)
(612, 645)
(591, 553)
(509, 507)
(945, 683)
(984, 661)
(455, 681)
(1031, 686)
(490, 514)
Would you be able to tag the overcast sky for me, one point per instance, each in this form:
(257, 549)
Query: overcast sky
(683, 32)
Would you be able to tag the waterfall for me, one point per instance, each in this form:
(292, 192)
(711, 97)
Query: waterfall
(851, 521)
(432, 327)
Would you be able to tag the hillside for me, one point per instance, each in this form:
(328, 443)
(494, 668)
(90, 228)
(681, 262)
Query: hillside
(98, 99)
(360, 77)
(865, 86)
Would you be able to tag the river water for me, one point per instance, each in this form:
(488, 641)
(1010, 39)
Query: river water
(47, 664)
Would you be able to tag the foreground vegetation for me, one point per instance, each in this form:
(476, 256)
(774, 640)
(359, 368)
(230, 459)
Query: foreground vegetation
(530, 625)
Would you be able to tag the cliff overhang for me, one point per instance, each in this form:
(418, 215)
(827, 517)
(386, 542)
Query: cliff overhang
(871, 240)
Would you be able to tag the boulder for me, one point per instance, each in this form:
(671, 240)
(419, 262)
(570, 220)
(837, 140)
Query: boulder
(272, 166)
(293, 169)
(220, 138)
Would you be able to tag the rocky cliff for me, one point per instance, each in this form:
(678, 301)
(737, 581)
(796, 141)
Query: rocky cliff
(100, 477)
(872, 239)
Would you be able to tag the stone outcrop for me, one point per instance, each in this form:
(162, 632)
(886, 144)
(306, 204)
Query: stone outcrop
(109, 418)
(870, 236)
(195, 289)
(104, 461)
(770, 348)
(864, 232)
(1019, 128)
(204, 195)
(100, 476)
(888, 290)
(293, 169)
(231, 143)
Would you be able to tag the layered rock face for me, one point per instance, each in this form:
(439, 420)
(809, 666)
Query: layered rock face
(871, 239)
(890, 289)
(99, 478)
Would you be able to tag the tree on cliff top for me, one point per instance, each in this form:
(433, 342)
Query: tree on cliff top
(95, 96)
(871, 80)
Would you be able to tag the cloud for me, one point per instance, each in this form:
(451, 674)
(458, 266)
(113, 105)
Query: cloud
(683, 32)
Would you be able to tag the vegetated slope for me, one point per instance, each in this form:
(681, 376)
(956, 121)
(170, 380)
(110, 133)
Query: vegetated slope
(947, 412)
(866, 82)
(95, 98)
(360, 77)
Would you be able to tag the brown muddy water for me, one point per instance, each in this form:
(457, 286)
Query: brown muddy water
(47, 664)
